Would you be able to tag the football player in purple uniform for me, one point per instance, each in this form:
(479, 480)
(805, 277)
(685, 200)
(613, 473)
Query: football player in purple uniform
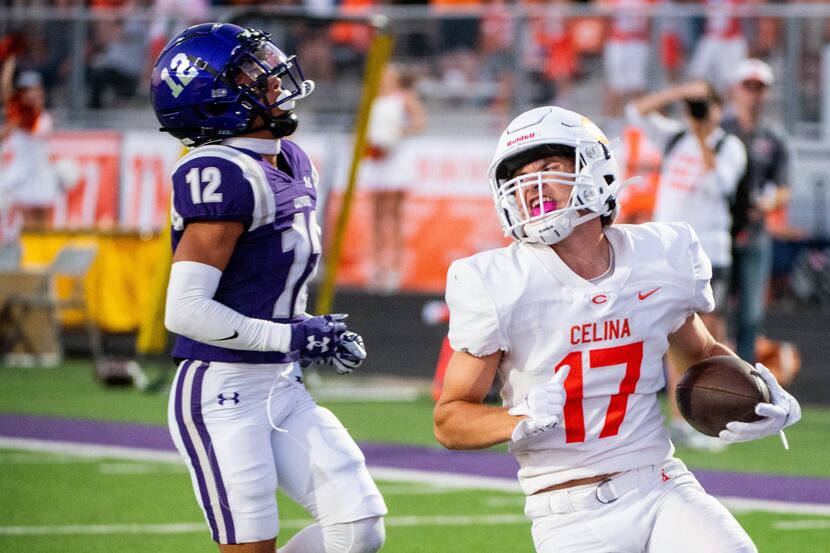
(246, 242)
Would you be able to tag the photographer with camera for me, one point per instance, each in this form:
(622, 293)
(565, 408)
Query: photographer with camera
(702, 165)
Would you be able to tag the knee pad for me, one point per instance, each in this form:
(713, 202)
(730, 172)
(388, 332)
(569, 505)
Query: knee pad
(361, 536)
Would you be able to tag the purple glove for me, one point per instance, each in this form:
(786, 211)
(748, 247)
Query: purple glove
(317, 338)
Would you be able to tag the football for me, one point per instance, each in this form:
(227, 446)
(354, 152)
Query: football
(719, 390)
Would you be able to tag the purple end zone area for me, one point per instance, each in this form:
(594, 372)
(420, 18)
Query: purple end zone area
(85, 431)
(478, 463)
(761, 486)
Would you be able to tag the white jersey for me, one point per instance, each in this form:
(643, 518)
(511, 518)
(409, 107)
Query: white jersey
(387, 121)
(394, 170)
(687, 191)
(524, 300)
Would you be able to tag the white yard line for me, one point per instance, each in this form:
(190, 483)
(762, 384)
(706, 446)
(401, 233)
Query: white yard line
(414, 488)
(445, 479)
(140, 468)
(457, 520)
(78, 529)
(351, 394)
(801, 525)
(200, 527)
(743, 505)
(91, 450)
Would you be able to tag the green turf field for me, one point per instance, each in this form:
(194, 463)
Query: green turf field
(59, 503)
(53, 502)
(69, 391)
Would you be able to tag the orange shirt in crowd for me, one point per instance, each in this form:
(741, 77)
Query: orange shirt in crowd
(637, 201)
(21, 115)
(355, 35)
(443, 4)
(554, 36)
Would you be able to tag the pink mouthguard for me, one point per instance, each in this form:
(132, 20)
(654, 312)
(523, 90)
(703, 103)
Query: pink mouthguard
(548, 205)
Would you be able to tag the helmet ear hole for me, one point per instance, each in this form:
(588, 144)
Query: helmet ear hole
(216, 109)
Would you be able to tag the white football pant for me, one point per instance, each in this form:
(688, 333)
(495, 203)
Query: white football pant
(246, 429)
(648, 510)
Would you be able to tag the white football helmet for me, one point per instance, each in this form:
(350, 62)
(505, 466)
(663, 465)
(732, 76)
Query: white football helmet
(540, 133)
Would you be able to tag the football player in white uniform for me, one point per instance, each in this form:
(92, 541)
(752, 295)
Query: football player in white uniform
(576, 316)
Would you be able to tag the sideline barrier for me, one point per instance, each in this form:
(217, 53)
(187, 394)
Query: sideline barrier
(117, 285)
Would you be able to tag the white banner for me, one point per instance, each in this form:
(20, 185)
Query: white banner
(146, 161)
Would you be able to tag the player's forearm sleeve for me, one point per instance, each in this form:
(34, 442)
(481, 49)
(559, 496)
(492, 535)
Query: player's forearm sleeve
(192, 312)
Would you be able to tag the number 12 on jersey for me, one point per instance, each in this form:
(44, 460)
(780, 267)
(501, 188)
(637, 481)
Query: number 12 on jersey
(630, 355)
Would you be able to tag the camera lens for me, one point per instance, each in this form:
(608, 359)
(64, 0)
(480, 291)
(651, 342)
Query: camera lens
(698, 109)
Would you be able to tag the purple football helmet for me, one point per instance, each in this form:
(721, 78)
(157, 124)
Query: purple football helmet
(211, 82)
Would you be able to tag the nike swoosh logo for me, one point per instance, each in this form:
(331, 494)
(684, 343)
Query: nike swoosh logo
(235, 334)
(642, 296)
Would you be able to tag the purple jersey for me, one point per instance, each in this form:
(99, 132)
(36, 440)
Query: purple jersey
(276, 255)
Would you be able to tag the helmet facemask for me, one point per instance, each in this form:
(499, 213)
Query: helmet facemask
(255, 67)
(548, 222)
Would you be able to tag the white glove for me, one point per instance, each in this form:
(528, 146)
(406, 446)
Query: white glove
(350, 353)
(543, 406)
(782, 411)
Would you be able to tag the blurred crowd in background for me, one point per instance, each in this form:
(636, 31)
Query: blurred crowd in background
(494, 54)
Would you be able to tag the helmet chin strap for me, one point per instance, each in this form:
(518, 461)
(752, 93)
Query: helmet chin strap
(550, 231)
(280, 126)
(285, 124)
(558, 228)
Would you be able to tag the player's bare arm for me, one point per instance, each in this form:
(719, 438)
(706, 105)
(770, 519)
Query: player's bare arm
(461, 420)
(7, 78)
(661, 98)
(692, 343)
(209, 242)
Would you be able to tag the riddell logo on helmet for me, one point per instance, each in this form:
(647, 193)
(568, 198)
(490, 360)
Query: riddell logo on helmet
(520, 139)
